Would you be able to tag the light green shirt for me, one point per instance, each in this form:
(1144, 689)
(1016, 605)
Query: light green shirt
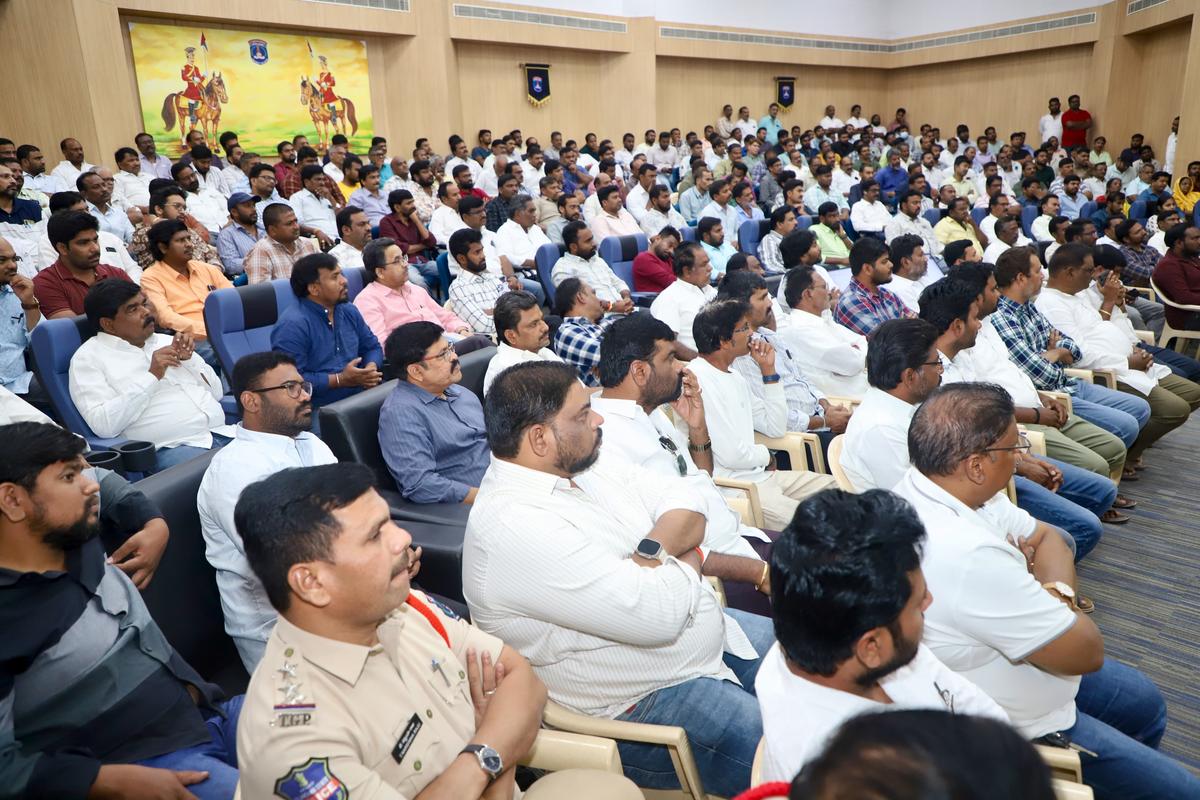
(831, 244)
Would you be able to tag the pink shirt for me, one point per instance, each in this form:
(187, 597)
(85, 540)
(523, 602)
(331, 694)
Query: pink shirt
(386, 309)
(621, 224)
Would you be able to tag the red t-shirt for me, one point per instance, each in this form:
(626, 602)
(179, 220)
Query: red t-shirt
(651, 273)
(57, 289)
(1074, 137)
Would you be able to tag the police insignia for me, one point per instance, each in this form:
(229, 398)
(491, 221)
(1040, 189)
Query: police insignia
(311, 780)
(258, 51)
(442, 607)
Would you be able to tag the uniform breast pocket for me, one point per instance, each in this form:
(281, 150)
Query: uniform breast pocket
(448, 680)
(414, 744)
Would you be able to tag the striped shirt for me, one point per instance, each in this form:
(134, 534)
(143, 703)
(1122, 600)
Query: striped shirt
(472, 296)
(269, 259)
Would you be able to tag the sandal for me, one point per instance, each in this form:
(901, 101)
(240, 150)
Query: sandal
(1085, 604)
(1129, 474)
(1124, 502)
(1114, 517)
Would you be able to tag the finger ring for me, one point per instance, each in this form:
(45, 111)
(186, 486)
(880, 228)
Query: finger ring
(489, 694)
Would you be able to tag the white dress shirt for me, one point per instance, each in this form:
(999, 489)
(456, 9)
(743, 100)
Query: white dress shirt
(335, 173)
(531, 178)
(734, 414)
(907, 290)
(213, 180)
(988, 361)
(547, 568)
(488, 181)
(902, 224)
(1050, 125)
(250, 457)
(844, 181)
(728, 214)
(994, 250)
(347, 255)
(136, 188)
(517, 244)
(988, 226)
(875, 450)
(1103, 343)
(209, 208)
(15, 409)
(678, 305)
(869, 217)
(988, 612)
(68, 173)
(800, 717)
(117, 396)
(653, 221)
(831, 124)
(507, 355)
(636, 201)
(595, 272)
(444, 222)
(315, 212)
(471, 164)
(631, 435)
(833, 357)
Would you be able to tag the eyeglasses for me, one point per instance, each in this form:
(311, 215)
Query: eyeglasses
(743, 329)
(669, 446)
(445, 355)
(937, 364)
(400, 259)
(1023, 445)
(294, 389)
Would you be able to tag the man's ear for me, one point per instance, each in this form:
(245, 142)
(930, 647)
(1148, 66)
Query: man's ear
(12, 497)
(305, 581)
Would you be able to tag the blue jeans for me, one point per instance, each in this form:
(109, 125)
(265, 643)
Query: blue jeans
(722, 721)
(1181, 365)
(429, 275)
(535, 288)
(217, 757)
(170, 456)
(1122, 718)
(1122, 415)
(1077, 506)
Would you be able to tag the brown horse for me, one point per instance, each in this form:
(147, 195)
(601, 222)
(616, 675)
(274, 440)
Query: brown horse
(319, 111)
(208, 113)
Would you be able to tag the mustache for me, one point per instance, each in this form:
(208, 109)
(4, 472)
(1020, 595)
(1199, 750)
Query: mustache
(403, 565)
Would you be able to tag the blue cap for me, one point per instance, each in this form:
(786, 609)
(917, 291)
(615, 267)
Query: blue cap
(238, 198)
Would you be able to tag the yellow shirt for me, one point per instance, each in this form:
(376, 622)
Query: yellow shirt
(179, 299)
(947, 231)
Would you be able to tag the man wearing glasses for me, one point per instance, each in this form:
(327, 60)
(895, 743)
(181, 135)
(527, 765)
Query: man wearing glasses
(276, 406)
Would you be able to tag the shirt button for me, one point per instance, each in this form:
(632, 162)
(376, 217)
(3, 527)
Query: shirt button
(429, 713)
(417, 766)
(461, 674)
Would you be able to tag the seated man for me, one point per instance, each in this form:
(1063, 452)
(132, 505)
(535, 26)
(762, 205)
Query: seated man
(577, 340)
(613, 219)
(818, 675)
(1104, 344)
(476, 289)
(521, 333)
(408, 232)
(177, 286)
(832, 356)
(910, 263)
(640, 373)
(273, 255)
(866, 304)
(870, 215)
(660, 213)
(958, 224)
(388, 299)
(326, 335)
(20, 314)
(710, 233)
(431, 430)
(581, 260)
(338, 572)
(652, 271)
(1004, 612)
(678, 304)
(130, 382)
(592, 572)
(276, 407)
(518, 239)
(354, 226)
(723, 333)
(72, 620)
(831, 236)
(807, 408)
(62, 286)
(314, 208)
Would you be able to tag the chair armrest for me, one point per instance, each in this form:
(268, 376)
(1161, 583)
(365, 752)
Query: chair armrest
(1037, 441)
(1105, 377)
(1151, 293)
(643, 299)
(670, 736)
(798, 446)
(1166, 301)
(1146, 336)
(1085, 375)
(848, 402)
(1063, 763)
(1061, 397)
(751, 490)
(1064, 790)
(718, 587)
(558, 750)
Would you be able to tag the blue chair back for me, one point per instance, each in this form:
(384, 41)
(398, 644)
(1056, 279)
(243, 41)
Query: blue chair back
(855, 194)
(978, 214)
(1088, 208)
(444, 276)
(803, 222)
(356, 278)
(932, 215)
(751, 233)
(619, 253)
(240, 320)
(53, 342)
(1137, 210)
(689, 233)
(545, 258)
(1028, 215)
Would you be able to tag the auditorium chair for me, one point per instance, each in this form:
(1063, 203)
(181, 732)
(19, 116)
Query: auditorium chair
(545, 258)
(619, 252)
(688, 232)
(803, 222)
(444, 276)
(356, 278)
(183, 597)
(840, 278)
(751, 233)
(853, 196)
(1087, 209)
(240, 320)
(53, 342)
(1169, 334)
(1137, 211)
(1028, 215)
(978, 214)
(932, 215)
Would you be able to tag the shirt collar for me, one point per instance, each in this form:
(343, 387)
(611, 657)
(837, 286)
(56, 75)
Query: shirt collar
(452, 392)
(531, 481)
(617, 407)
(275, 440)
(341, 659)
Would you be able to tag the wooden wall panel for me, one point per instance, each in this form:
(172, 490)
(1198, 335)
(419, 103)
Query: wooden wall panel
(1157, 94)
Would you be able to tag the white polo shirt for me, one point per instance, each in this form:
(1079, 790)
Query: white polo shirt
(678, 305)
(988, 613)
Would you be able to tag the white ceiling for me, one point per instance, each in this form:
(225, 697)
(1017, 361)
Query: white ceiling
(869, 19)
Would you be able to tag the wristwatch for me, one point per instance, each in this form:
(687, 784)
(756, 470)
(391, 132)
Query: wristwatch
(489, 760)
(652, 550)
(1063, 590)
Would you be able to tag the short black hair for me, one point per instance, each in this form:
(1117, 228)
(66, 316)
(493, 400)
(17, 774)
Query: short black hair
(740, 285)
(796, 282)
(105, 298)
(159, 237)
(1013, 262)
(1175, 235)
(251, 367)
(122, 152)
(685, 257)
(287, 518)
(526, 394)
(406, 345)
(565, 294)
(865, 252)
(705, 225)
(509, 308)
(60, 201)
(957, 420)
(794, 246)
(956, 250)
(30, 447)
(461, 241)
(307, 271)
(466, 204)
(715, 322)
(200, 151)
(632, 338)
(1071, 254)
(310, 171)
(64, 227)
(895, 346)
(903, 247)
(840, 569)
(571, 231)
(946, 301)
(345, 216)
(273, 214)
(975, 273)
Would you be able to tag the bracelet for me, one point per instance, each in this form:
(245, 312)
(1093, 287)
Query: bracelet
(337, 379)
(1037, 416)
(1106, 313)
(700, 553)
(700, 448)
(772, 378)
(30, 306)
(762, 578)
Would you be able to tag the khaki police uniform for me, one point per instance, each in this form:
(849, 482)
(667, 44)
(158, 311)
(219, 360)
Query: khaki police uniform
(329, 720)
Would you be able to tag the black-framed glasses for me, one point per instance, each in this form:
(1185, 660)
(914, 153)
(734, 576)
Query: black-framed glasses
(669, 446)
(937, 363)
(445, 355)
(294, 389)
(1023, 445)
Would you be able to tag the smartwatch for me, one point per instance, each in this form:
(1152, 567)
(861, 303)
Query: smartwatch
(652, 550)
(489, 760)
